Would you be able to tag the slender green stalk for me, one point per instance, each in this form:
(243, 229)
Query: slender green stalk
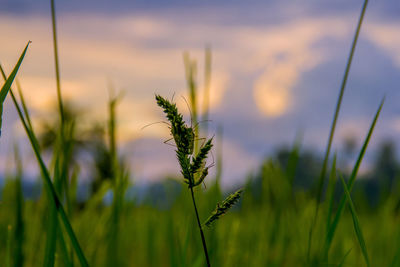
(19, 234)
(356, 222)
(207, 84)
(53, 229)
(332, 227)
(24, 106)
(203, 240)
(330, 192)
(191, 74)
(333, 126)
(56, 61)
(113, 234)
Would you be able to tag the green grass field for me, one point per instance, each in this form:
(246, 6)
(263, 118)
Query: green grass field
(275, 222)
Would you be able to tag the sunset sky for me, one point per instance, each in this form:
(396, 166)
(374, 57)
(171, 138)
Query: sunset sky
(276, 71)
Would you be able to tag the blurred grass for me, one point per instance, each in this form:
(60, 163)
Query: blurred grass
(271, 231)
(270, 227)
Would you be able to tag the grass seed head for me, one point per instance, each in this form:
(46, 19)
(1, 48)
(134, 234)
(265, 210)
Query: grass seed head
(223, 207)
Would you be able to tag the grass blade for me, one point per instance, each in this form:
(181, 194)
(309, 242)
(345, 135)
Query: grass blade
(356, 222)
(330, 194)
(333, 126)
(207, 84)
(24, 106)
(7, 85)
(54, 199)
(332, 228)
(52, 224)
(56, 61)
(19, 224)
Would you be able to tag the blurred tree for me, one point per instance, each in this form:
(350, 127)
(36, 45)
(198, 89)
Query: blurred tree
(386, 165)
(307, 168)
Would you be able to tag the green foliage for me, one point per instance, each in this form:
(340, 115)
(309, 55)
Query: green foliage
(267, 230)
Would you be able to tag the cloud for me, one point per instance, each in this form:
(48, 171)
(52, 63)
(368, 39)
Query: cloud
(272, 89)
(289, 51)
(142, 55)
(387, 37)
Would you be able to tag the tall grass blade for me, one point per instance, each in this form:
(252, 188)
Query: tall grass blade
(24, 106)
(293, 161)
(191, 74)
(54, 199)
(112, 249)
(52, 230)
(330, 193)
(207, 84)
(19, 232)
(332, 228)
(333, 126)
(356, 222)
(51, 238)
(56, 61)
(8, 81)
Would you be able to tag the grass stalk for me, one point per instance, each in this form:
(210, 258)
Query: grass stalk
(356, 222)
(19, 232)
(203, 240)
(333, 126)
(207, 85)
(332, 227)
(56, 61)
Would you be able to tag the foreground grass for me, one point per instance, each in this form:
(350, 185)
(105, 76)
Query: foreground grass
(270, 230)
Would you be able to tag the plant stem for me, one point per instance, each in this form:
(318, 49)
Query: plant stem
(200, 228)
(56, 62)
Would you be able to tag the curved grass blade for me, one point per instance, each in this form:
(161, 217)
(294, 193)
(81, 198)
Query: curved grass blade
(356, 222)
(7, 85)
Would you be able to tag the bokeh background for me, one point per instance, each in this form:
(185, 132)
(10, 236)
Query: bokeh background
(276, 72)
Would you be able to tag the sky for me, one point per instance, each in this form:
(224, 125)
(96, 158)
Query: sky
(276, 71)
